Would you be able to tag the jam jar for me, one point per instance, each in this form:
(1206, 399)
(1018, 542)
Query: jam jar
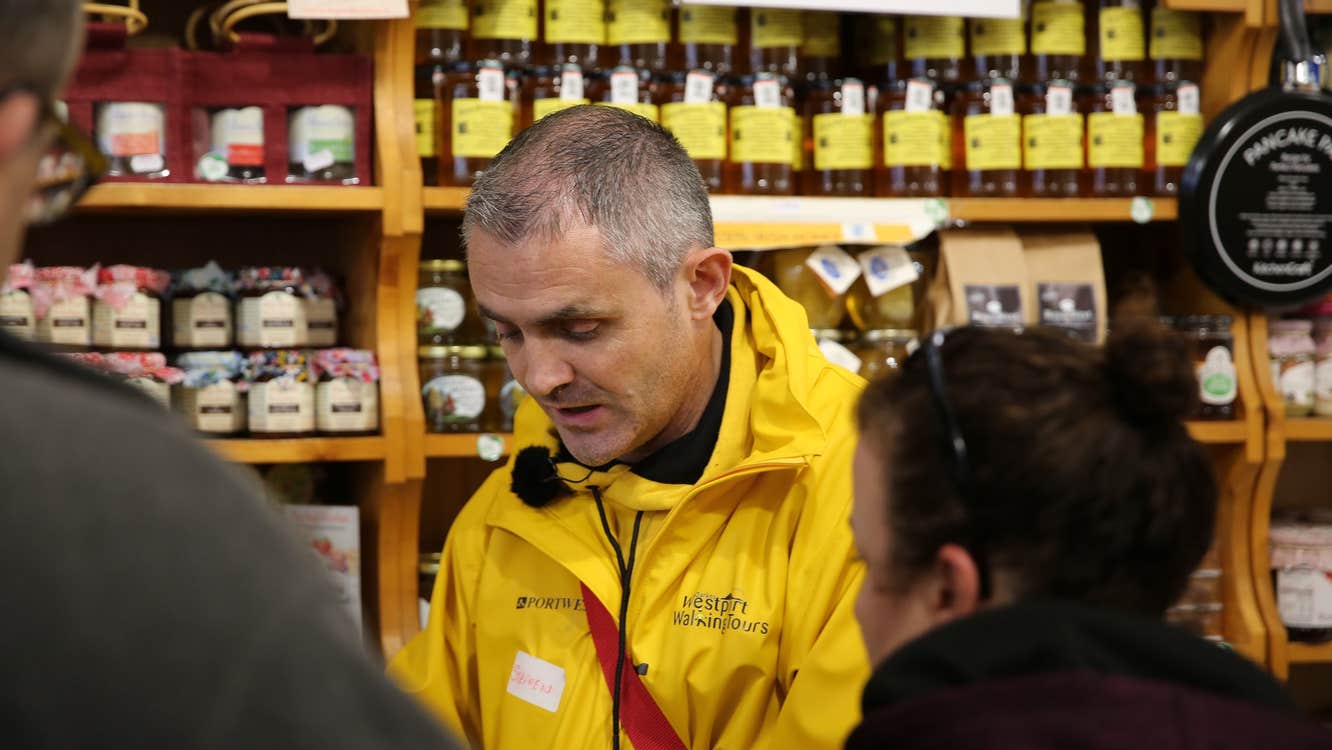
(887, 294)
(1214, 361)
(707, 37)
(764, 136)
(1301, 558)
(549, 89)
(146, 372)
(693, 109)
(1053, 155)
(801, 282)
(127, 314)
(1115, 140)
(133, 137)
(1174, 125)
(882, 350)
(281, 394)
(61, 304)
(843, 139)
(270, 312)
(201, 300)
(445, 313)
(211, 396)
(453, 388)
(916, 138)
(346, 392)
(236, 152)
(322, 145)
(988, 154)
(478, 120)
(511, 394)
(17, 317)
(1292, 350)
(574, 31)
(495, 376)
(322, 299)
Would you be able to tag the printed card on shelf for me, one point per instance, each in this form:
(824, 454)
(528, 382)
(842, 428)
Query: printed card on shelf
(834, 267)
(334, 533)
(347, 9)
(887, 268)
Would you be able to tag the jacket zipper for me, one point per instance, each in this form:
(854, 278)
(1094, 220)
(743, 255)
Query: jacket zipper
(626, 575)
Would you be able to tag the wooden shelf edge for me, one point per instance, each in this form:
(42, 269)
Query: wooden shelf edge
(1219, 433)
(1309, 653)
(461, 445)
(131, 196)
(300, 450)
(1309, 429)
(445, 199)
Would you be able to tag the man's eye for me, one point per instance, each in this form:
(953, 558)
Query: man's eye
(507, 333)
(581, 330)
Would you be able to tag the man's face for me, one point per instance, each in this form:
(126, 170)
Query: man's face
(606, 354)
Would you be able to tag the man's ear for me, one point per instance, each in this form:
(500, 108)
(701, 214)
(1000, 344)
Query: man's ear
(708, 273)
(955, 585)
(19, 113)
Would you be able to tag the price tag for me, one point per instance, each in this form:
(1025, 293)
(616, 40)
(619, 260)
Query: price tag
(698, 87)
(1059, 99)
(1123, 99)
(919, 96)
(1188, 98)
(624, 87)
(840, 355)
(853, 98)
(1001, 99)
(347, 9)
(834, 267)
(571, 84)
(489, 447)
(858, 231)
(767, 92)
(887, 268)
(490, 82)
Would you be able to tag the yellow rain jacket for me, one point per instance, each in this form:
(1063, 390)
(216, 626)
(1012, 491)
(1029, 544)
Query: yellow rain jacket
(742, 591)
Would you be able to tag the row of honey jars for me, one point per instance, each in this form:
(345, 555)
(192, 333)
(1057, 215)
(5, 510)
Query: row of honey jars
(1074, 40)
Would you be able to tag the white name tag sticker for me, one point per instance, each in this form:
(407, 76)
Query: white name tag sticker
(536, 681)
(347, 9)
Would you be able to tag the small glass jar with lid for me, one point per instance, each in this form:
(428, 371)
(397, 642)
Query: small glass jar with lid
(61, 304)
(1174, 124)
(270, 311)
(17, 315)
(1323, 364)
(707, 37)
(511, 393)
(916, 141)
(445, 311)
(127, 314)
(133, 136)
(988, 153)
(478, 120)
(1301, 559)
(211, 397)
(1214, 361)
(693, 109)
(281, 394)
(883, 349)
(1053, 151)
(1116, 137)
(494, 376)
(323, 300)
(842, 139)
(890, 303)
(548, 88)
(146, 372)
(201, 300)
(453, 387)
(504, 30)
(346, 392)
(322, 145)
(795, 277)
(764, 136)
(1292, 350)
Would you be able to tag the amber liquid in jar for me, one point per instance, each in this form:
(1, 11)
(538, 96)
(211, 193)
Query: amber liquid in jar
(879, 49)
(1175, 45)
(1053, 130)
(821, 53)
(428, 104)
(842, 139)
(638, 33)
(441, 31)
(914, 140)
(763, 137)
(998, 47)
(476, 122)
(1118, 40)
(547, 89)
(987, 147)
(693, 109)
(707, 37)
(1058, 39)
(775, 36)
(504, 30)
(934, 47)
(572, 31)
(1115, 140)
(1173, 126)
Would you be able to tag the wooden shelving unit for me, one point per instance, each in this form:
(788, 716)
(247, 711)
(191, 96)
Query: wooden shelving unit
(463, 445)
(1309, 653)
(1309, 429)
(297, 199)
(1234, 432)
(301, 450)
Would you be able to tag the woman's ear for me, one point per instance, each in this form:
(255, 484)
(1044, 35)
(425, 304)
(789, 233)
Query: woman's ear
(956, 585)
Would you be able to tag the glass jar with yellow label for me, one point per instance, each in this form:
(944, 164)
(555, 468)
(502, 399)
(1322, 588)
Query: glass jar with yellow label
(693, 109)
(915, 142)
(1118, 40)
(934, 47)
(794, 276)
(573, 31)
(1053, 155)
(441, 31)
(764, 139)
(503, 30)
(878, 48)
(548, 89)
(988, 146)
(625, 88)
(707, 37)
(1115, 140)
(453, 388)
(1058, 40)
(1174, 124)
(998, 47)
(429, 100)
(883, 350)
(775, 36)
(821, 52)
(842, 139)
(638, 33)
(478, 121)
(1175, 45)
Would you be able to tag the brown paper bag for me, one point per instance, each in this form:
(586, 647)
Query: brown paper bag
(982, 280)
(1066, 282)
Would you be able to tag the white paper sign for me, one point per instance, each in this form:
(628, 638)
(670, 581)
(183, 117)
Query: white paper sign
(347, 8)
(536, 681)
(767, 93)
(853, 98)
(1059, 99)
(834, 267)
(919, 96)
(1188, 99)
(490, 83)
(698, 87)
(840, 355)
(624, 87)
(887, 268)
(1001, 99)
(571, 84)
(1123, 99)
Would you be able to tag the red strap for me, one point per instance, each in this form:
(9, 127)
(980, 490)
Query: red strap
(640, 716)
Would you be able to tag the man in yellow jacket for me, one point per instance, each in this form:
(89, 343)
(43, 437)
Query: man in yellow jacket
(667, 560)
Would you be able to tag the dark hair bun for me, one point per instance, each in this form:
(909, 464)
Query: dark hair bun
(1151, 372)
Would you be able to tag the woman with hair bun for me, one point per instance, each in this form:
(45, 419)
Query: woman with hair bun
(1027, 508)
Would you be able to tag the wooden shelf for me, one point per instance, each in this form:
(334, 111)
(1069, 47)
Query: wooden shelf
(460, 445)
(1218, 6)
(1309, 653)
(1219, 433)
(133, 196)
(1309, 430)
(445, 199)
(300, 450)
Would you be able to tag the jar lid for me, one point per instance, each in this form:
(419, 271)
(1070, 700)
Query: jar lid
(269, 277)
(889, 334)
(1291, 325)
(443, 265)
(440, 352)
(1295, 544)
(357, 364)
(207, 278)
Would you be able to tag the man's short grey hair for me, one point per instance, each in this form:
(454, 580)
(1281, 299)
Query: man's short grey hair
(608, 168)
(35, 43)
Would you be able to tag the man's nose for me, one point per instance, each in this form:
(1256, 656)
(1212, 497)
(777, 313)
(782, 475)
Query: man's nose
(543, 370)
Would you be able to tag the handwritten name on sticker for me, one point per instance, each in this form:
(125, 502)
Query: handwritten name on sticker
(536, 681)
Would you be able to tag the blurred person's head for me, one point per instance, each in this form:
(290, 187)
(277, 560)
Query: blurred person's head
(1028, 466)
(589, 244)
(39, 44)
